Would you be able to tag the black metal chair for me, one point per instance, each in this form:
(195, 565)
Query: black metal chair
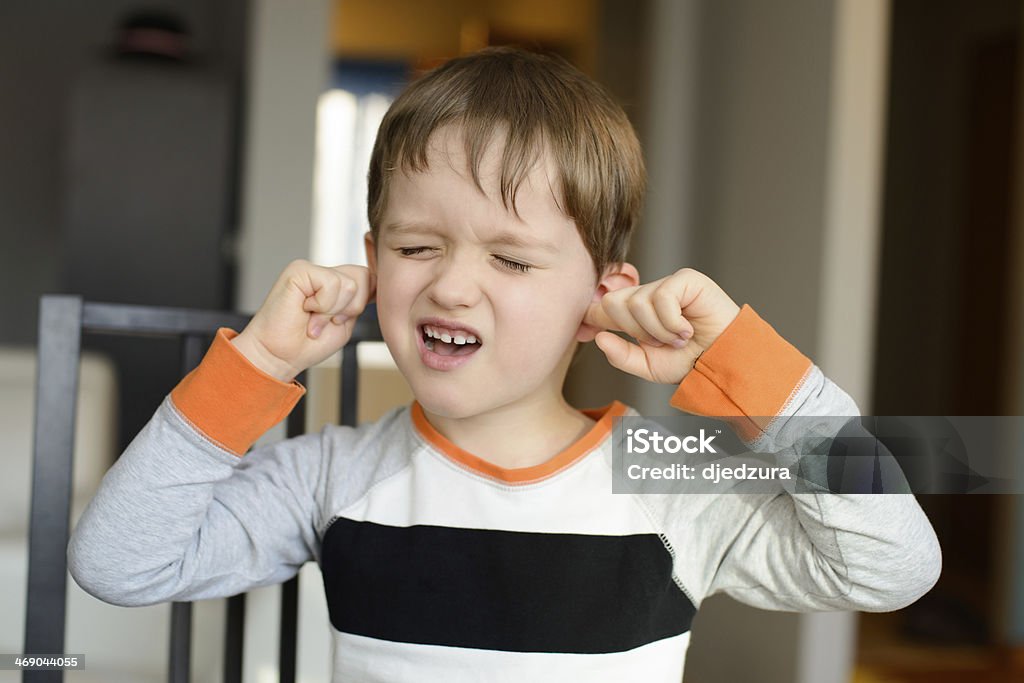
(63, 319)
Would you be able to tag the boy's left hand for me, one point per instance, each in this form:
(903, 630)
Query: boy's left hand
(674, 319)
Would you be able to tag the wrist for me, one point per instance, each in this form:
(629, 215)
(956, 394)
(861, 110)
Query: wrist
(258, 355)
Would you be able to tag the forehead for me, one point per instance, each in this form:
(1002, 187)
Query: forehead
(450, 151)
(445, 192)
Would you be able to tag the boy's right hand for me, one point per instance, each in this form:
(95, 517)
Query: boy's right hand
(308, 316)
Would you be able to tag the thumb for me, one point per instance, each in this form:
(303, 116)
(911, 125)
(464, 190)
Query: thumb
(623, 355)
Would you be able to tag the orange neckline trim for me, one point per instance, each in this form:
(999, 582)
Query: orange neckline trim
(523, 475)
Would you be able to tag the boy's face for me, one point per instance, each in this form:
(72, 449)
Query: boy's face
(446, 252)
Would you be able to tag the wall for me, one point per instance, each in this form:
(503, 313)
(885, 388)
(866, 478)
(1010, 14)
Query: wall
(42, 48)
(288, 63)
(785, 179)
(761, 149)
(759, 206)
(440, 29)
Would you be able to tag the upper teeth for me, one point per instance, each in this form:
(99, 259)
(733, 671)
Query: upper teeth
(434, 333)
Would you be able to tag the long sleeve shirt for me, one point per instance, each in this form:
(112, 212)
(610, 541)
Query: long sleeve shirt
(441, 566)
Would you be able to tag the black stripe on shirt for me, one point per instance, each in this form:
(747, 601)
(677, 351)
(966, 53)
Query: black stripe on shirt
(501, 590)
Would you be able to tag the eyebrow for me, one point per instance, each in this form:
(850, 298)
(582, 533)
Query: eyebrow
(506, 238)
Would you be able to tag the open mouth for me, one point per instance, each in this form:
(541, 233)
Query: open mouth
(448, 342)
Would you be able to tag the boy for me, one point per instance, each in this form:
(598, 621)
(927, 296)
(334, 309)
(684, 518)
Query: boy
(474, 534)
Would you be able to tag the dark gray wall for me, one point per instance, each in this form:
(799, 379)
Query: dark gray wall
(63, 160)
(44, 46)
(762, 144)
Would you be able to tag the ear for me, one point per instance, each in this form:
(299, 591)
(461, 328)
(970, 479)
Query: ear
(615, 276)
(371, 253)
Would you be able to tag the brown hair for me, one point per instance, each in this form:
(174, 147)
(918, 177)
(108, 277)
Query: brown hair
(543, 103)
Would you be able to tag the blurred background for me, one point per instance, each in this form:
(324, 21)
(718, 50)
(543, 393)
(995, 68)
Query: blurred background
(850, 168)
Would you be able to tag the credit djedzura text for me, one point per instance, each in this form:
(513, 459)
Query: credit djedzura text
(647, 442)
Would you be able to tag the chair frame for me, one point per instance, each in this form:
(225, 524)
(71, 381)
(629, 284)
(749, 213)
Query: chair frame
(63, 320)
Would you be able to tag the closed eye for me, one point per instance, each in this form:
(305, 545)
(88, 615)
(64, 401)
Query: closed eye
(513, 265)
(411, 251)
(508, 264)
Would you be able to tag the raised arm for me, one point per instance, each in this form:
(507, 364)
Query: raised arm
(806, 551)
(185, 514)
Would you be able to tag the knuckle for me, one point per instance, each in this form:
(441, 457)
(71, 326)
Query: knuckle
(610, 303)
(667, 302)
(664, 289)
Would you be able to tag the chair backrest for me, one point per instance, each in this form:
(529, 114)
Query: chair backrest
(63, 320)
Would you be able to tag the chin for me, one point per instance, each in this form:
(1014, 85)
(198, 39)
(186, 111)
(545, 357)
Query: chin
(457, 402)
(446, 405)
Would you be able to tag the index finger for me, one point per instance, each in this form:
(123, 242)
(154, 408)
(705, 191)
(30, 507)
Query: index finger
(364, 289)
(598, 317)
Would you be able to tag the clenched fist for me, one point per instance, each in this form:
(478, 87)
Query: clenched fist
(308, 316)
(673, 319)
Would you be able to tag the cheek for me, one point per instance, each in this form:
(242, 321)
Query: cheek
(395, 280)
(543, 318)
(394, 300)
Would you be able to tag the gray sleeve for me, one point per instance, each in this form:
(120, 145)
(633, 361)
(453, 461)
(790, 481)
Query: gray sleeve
(180, 518)
(824, 551)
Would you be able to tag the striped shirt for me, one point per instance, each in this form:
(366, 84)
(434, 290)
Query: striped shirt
(441, 566)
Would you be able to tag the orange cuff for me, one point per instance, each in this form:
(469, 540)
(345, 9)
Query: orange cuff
(749, 373)
(230, 400)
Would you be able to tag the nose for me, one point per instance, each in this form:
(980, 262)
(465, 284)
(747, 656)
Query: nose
(455, 283)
